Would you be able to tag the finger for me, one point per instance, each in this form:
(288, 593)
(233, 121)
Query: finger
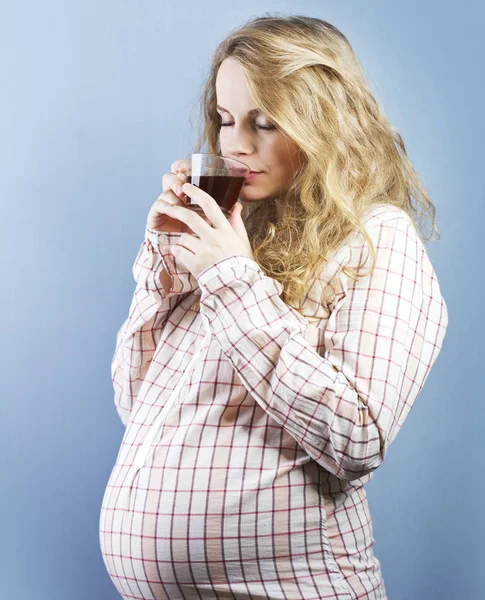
(182, 173)
(170, 198)
(170, 182)
(207, 203)
(194, 221)
(179, 165)
(236, 221)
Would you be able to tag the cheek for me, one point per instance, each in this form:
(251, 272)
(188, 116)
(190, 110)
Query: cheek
(283, 148)
(284, 160)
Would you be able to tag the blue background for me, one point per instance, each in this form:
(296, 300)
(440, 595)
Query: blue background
(96, 104)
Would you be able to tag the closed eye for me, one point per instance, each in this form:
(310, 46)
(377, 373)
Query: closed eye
(258, 126)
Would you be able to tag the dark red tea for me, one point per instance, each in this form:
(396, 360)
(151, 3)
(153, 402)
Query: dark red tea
(224, 189)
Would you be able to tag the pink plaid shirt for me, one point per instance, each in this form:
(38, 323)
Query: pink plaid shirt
(251, 430)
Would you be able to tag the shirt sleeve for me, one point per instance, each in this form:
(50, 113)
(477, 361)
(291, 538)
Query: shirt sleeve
(345, 404)
(138, 337)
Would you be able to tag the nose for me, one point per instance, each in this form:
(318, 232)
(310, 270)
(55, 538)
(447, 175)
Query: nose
(240, 142)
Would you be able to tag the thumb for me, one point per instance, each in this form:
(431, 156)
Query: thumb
(236, 221)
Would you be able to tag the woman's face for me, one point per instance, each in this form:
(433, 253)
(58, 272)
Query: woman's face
(268, 151)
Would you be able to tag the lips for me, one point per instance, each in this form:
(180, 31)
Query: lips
(252, 175)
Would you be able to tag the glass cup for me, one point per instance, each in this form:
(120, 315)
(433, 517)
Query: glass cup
(221, 177)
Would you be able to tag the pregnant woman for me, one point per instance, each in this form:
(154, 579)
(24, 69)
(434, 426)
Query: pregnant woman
(269, 359)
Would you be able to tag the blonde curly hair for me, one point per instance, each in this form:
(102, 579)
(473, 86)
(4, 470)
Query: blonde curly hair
(304, 75)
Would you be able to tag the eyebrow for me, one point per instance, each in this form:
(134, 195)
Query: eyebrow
(254, 111)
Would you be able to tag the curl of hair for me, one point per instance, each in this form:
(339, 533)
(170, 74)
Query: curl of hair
(304, 75)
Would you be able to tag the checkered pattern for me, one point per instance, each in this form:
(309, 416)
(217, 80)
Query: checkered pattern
(251, 430)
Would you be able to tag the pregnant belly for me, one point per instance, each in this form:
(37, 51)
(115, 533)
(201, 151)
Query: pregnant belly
(219, 530)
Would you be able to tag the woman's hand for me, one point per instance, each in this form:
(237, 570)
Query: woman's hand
(172, 194)
(216, 237)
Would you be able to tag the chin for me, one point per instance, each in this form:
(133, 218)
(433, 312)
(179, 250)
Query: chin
(250, 194)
